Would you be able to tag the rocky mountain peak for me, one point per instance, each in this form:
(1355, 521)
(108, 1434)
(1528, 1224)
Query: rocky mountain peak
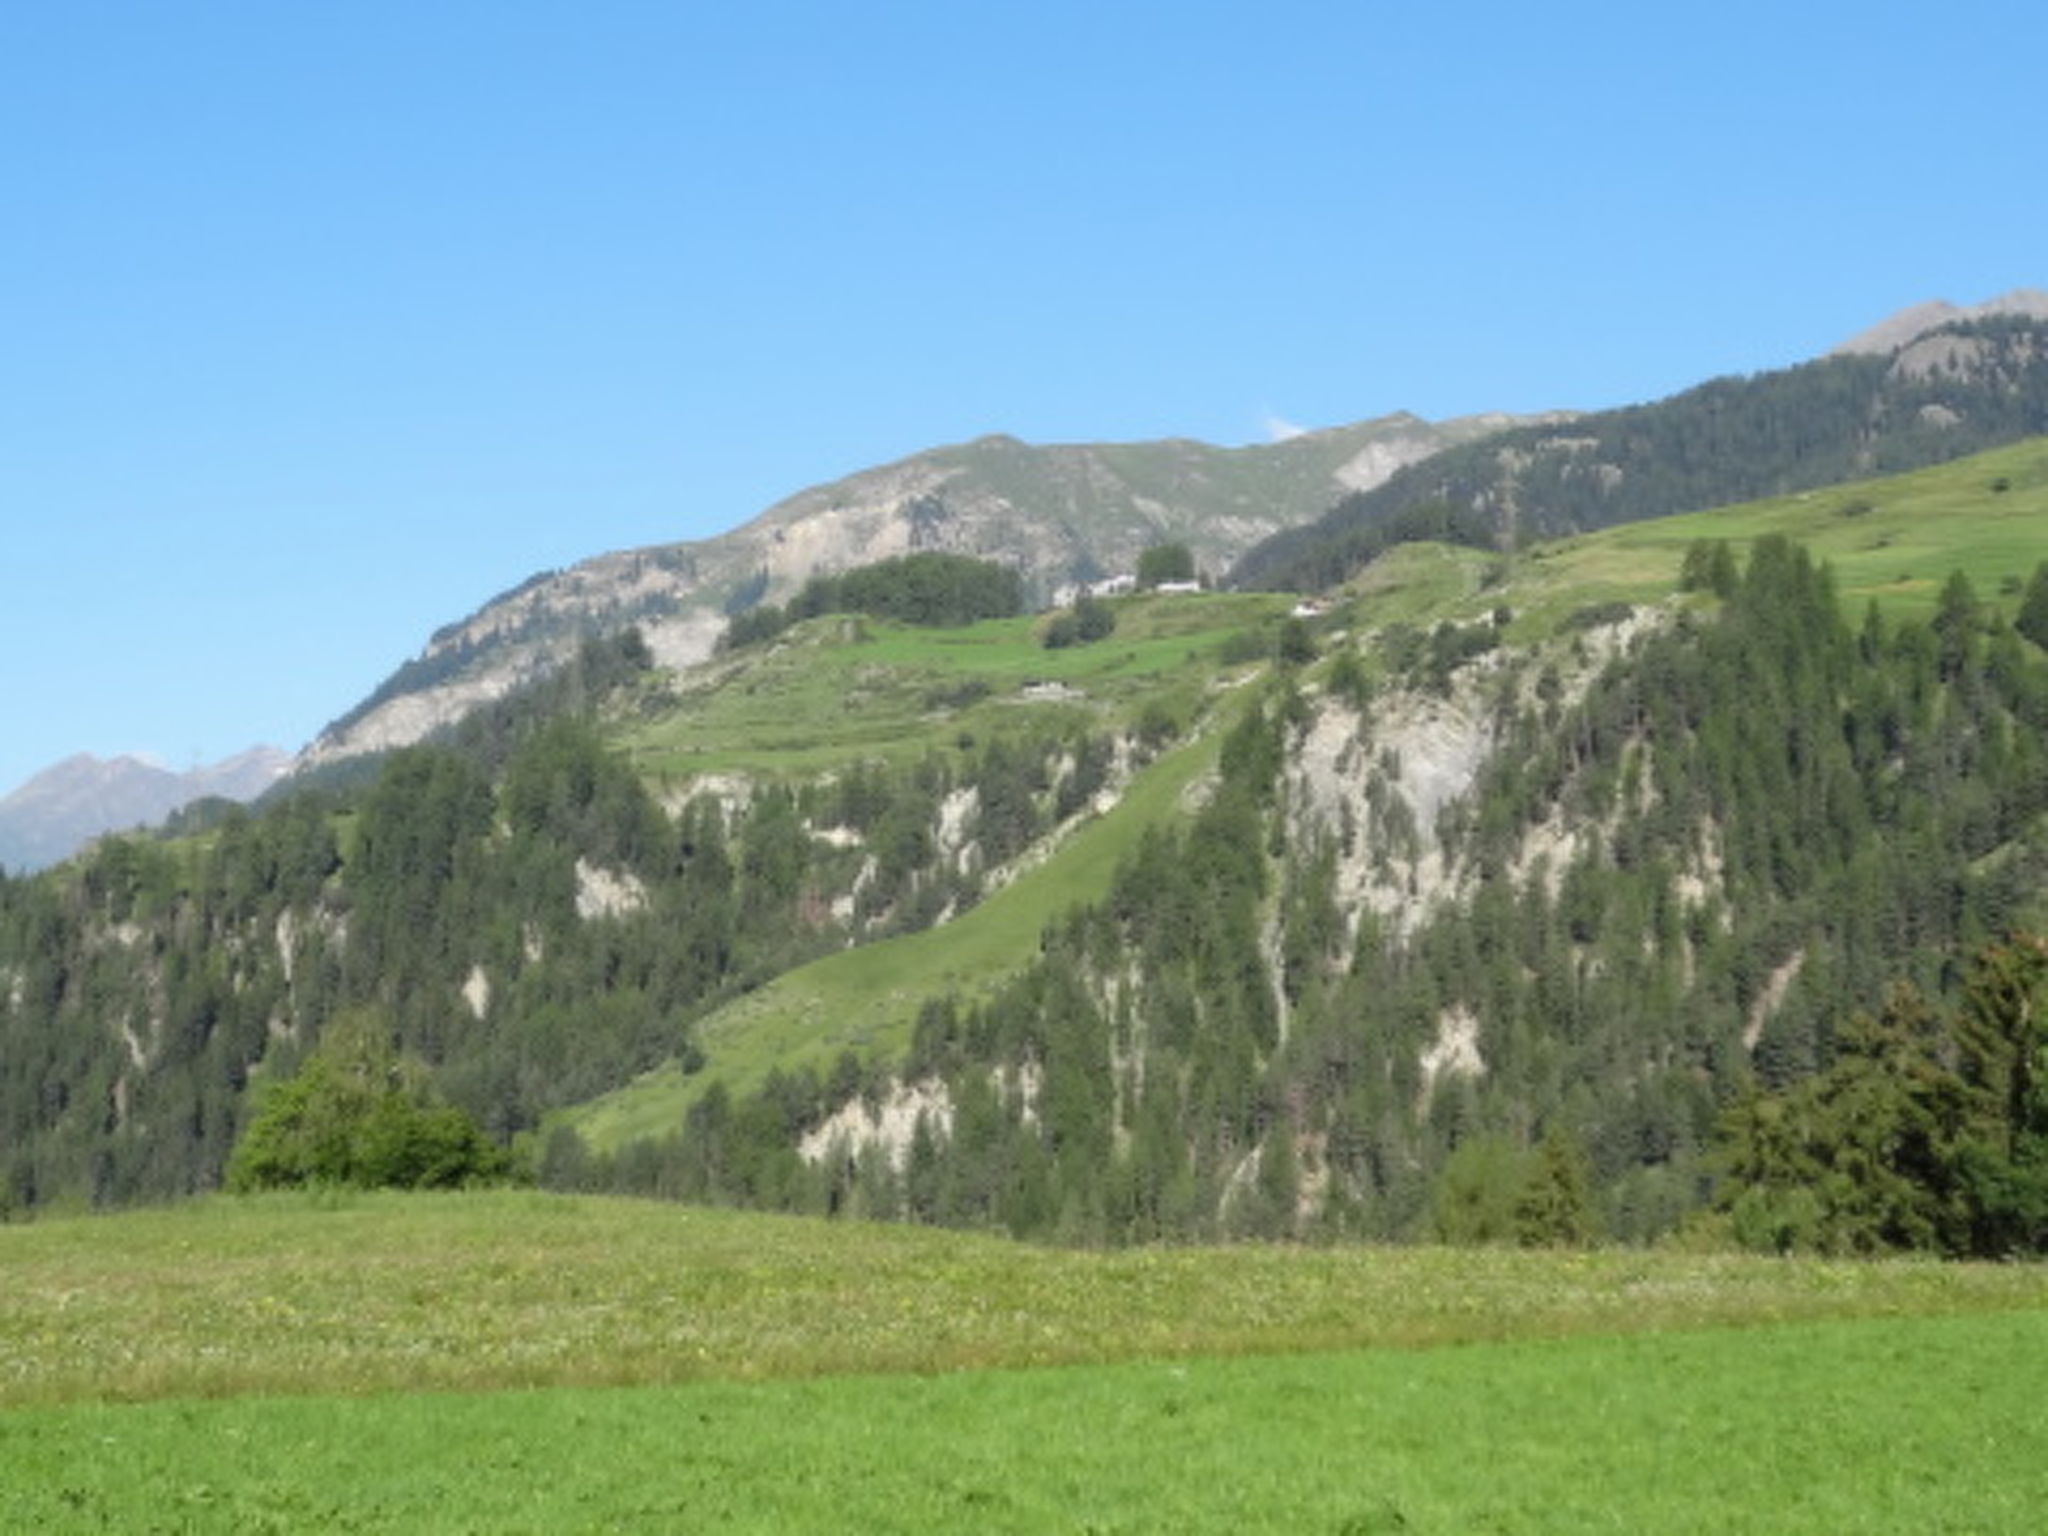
(70, 803)
(1910, 324)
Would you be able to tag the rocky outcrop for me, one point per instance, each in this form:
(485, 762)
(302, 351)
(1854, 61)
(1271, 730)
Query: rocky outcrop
(1909, 325)
(1057, 513)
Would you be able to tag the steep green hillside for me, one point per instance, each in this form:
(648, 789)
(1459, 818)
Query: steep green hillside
(1442, 944)
(846, 688)
(1959, 390)
(864, 1000)
(1232, 921)
(539, 922)
(1894, 540)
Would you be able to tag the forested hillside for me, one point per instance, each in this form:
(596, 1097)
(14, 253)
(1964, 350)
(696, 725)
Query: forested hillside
(513, 904)
(1955, 391)
(1485, 905)
(1680, 872)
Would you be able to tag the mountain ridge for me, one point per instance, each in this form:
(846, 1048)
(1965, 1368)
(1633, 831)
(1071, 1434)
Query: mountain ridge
(1058, 512)
(1916, 320)
(1963, 386)
(60, 809)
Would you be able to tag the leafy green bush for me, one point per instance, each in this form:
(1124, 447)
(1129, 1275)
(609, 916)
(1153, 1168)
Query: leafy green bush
(358, 1114)
(1165, 562)
(1091, 619)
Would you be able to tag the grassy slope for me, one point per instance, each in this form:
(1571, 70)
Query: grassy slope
(866, 999)
(825, 697)
(1291, 1388)
(1894, 540)
(839, 689)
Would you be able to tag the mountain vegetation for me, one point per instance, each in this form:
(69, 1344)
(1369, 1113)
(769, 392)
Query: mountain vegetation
(1673, 878)
(1670, 893)
(1056, 514)
(1953, 391)
(513, 904)
(936, 591)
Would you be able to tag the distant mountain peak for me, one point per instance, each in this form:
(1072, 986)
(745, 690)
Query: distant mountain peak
(70, 803)
(1915, 321)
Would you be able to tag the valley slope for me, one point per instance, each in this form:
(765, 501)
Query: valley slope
(1932, 384)
(1057, 513)
(1236, 921)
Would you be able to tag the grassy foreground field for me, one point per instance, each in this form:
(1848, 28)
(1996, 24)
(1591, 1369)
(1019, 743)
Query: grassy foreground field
(387, 1292)
(1897, 1425)
(524, 1362)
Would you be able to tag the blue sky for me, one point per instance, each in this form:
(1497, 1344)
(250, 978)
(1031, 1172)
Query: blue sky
(324, 322)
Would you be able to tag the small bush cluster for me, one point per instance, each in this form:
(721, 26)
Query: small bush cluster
(357, 1114)
(1089, 620)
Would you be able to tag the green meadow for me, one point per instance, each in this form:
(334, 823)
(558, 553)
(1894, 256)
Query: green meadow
(520, 1362)
(514, 1361)
(1885, 1426)
(1895, 540)
(843, 689)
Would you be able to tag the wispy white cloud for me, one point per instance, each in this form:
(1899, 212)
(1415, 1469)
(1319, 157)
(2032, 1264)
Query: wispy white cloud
(1279, 428)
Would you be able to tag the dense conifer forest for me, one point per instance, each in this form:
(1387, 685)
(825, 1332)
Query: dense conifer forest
(512, 905)
(1783, 817)
(927, 588)
(1732, 869)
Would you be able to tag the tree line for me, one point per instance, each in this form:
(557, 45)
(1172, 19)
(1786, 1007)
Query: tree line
(1726, 441)
(1742, 992)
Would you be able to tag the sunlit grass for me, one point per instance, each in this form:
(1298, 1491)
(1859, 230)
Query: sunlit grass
(842, 688)
(1894, 540)
(392, 1293)
(1886, 1425)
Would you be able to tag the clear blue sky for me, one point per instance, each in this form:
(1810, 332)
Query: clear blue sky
(322, 322)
